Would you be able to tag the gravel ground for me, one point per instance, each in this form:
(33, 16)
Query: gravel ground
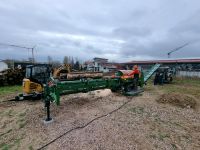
(140, 124)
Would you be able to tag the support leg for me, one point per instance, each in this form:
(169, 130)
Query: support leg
(47, 105)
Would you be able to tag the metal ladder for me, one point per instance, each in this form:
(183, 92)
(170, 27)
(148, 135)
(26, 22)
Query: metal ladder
(150, 73)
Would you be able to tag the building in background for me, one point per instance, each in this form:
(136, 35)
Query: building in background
(178, 64)
(101, 64)
(3, 66)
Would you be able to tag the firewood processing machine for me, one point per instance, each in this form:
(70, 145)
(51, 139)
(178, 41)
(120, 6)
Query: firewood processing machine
(121, 82)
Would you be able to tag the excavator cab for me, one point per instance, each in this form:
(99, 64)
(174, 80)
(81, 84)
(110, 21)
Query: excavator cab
(38, 73)
(36, 76)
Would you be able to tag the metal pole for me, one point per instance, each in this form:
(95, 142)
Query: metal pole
(47, 105)
(168, 55)
(48, 111)
(32, 49)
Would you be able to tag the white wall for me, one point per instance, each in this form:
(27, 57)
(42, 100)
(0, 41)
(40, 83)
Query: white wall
(3, 66)
(188, 74)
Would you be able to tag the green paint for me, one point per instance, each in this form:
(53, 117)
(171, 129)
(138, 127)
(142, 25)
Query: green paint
(53, 93)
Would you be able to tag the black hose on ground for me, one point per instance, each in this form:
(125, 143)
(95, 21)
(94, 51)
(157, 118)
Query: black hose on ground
(81, 127)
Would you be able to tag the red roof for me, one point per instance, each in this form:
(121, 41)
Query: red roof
(89, 62)
(165, 61)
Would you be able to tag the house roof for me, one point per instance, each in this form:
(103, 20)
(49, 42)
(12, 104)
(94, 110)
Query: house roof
(89, 62)
(100, 58)
(165, 61)
(109, 65)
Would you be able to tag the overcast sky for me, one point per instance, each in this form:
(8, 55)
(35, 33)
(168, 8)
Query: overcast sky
(120, 30)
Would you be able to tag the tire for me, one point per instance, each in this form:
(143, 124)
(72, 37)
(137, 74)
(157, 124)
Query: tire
(17, 98)
(37, 97)
(113, 90)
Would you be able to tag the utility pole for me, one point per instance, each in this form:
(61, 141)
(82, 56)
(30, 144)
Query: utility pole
(33, 55)
(176, 49)
(18, 46)
(32, 50)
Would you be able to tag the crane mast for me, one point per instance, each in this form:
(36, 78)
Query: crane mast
(18, 46)
(176, 49)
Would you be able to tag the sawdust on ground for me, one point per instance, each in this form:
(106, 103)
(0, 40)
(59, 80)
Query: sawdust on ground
(181, 100)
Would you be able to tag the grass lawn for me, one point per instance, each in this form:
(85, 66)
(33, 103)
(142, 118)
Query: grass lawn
(179, 85)
(10, 89)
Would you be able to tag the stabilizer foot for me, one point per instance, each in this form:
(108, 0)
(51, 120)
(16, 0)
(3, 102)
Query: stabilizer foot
(47, 121)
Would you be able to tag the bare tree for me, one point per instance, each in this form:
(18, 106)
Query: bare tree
(77, 65)
(49, 59)
(66, 60)
(56, 64)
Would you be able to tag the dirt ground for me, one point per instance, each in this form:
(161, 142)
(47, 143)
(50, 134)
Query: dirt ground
(142, 123)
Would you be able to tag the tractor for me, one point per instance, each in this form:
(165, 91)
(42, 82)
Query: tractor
(163, 75)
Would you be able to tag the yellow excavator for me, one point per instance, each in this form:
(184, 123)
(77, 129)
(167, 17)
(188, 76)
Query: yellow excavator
(36, 76)
(62, 72)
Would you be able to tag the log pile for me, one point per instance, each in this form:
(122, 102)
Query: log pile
(79, 75)
(11, 76)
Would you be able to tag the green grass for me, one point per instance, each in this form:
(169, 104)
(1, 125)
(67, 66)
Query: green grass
(190, 86)
(30, 147)
(22, 114)
(160, 136)
(183, 86)
(4, 146)
(15, 143)
(4, 90)
(21, 121)
(137, 110)
(188, 81)
(22, 124)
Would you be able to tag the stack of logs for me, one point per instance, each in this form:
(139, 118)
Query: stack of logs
(11, 76)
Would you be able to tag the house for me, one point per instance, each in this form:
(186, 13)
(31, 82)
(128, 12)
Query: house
(89, 66)
(100, 64)
(3, 66)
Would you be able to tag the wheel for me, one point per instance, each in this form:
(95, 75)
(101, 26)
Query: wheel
(113, 90)
(17, 98)
(36, 97)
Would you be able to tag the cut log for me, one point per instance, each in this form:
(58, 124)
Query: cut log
(79, 75)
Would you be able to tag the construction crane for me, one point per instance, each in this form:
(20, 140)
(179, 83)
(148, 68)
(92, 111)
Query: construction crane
(176, 49)
(18, 46)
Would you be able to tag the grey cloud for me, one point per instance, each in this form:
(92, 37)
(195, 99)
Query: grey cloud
(185, 31)
(127, 32)
(119, 30)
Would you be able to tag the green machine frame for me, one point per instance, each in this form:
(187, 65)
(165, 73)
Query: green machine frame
(54, 89)
(126, 86)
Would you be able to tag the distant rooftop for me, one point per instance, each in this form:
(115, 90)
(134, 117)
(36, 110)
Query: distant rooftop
(196, 60)
(100, 58)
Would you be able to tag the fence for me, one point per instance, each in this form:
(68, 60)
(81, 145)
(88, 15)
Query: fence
(195, 74)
